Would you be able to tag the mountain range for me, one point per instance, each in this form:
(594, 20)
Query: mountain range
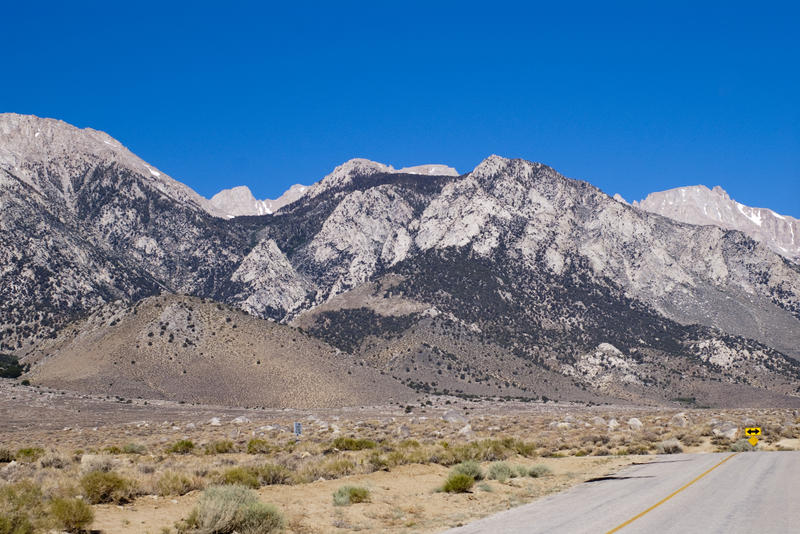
(509, 280)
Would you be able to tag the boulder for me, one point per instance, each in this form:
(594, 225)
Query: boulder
(679, 420)
(726, 430)
(598, 421)
(635, 424)
(240, 420)
(613, 424)
(452, 416)
(214, 421)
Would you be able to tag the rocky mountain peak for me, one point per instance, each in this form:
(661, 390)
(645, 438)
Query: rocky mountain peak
(700, 205)
(344, 173)
(430, 170)
(30, 145)
(239, 201)
(719, 191)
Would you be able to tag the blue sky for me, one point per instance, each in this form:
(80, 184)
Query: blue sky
(631, 97)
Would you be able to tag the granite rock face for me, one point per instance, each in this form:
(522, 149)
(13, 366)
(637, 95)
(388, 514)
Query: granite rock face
(519, 279)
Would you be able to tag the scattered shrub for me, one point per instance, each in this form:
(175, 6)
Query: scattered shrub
(225, 509)
(328, 470)
(95, 462)
(172, 483)
(112, 450)
(670, 446)
(352, 444)
(347, 495)
(219, 447)
(742, 445)
(458, 483)
(183, 446)
(539, 470)
(72, 515)
(470, 468)
(104, 487)
(638, 448)
(258, 446)
(29, 454)
(21, 508)
(272, 474)
(487, 450)
(377, 461)
(54, 461)
(134, 448)
(501, 472)
(241, 476)
(690, 440)
(7, 456)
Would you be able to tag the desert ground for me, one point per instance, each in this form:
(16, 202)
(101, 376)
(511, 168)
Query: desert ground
(142, 466)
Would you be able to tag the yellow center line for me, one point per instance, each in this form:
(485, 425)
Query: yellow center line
(668, 497)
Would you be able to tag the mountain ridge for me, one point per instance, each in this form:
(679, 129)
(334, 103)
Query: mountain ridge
(511, 279)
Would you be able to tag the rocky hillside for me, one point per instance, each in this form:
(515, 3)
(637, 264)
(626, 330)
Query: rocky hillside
(701, 205)
(195, 350)
(510, 279)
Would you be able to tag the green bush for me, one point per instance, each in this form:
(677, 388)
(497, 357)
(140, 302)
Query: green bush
(258, 446)
(184, 446)
(241, 476)
(134, 448)
(10, 367)
(227, 509)
(487, 450)
(352, 444)
(172, 483)
(104, 487)
(219, 447)
(72, 515)
(7, 456)
(271, 474)
(21, 510)
(458, 483)
(347, 495)
(539, 471)
(501, 472)
(29, 454)
(15, 524)
(470, 468)
(377, 461)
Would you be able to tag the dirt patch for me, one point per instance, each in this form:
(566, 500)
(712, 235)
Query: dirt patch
(402, 500)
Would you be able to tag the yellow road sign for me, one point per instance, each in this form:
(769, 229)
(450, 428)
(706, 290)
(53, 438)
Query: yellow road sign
(753, 441)
(752, 431)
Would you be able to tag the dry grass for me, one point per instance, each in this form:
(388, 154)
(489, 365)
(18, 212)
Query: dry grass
(131, 464)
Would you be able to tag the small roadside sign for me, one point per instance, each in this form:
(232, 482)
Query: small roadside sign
(753, 432)
(298, 429)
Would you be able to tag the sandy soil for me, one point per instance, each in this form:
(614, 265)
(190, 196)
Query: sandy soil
(402, 500)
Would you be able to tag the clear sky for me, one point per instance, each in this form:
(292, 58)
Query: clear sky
(631, 97)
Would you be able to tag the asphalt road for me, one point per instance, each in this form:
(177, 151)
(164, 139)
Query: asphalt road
(746, 492)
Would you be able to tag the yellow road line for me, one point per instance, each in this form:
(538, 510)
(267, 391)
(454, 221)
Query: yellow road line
(668, 497)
